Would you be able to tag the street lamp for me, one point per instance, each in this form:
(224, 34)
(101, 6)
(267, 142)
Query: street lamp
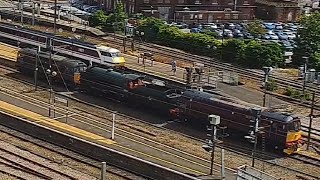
(214, 121)
(267, 72)
(50, 74)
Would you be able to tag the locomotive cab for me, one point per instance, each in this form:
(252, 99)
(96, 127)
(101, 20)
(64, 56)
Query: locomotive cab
(110, 56)
(284, 131)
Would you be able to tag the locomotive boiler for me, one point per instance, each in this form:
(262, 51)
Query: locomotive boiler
(109, 82)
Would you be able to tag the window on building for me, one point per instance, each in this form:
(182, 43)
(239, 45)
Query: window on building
(235, 16)
(181, 2)
(191, 16)
(214, 1)
(145, 1)
(200, 16)
(246, 3)
(230, 2)
(227, 16)
(159, 1)
(167, 1)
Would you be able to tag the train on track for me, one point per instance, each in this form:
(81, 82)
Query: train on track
(281, 130)
(91, 54)
(62, 69)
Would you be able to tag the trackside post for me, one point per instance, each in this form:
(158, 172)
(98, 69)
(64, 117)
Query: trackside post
(113, 124)
(103, 170)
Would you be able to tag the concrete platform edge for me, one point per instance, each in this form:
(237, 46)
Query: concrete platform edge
(95, 151)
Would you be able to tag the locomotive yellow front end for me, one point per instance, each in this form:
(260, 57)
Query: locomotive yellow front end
(294, 140)
(119, 61)
(111, 57)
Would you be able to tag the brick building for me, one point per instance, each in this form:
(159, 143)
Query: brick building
(186, 10)
(197, 10)
(278, 10)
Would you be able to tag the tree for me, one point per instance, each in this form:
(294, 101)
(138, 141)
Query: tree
(255, 28)
(118, 17)
(151, 27)
(257, 55)
(231, 50)
(308, 41)
(98, 19)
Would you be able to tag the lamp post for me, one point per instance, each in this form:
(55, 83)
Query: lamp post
(214, 121)
(267, 72)
(305, 73)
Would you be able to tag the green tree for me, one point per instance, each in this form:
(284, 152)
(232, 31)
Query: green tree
(255, 28)
(231, 50)
(308, 40)
(98, 19)
(117, 19)
(257, 55)
(151, 27)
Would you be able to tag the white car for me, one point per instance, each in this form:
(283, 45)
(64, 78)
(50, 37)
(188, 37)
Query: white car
(211, 25)
(272, 35)
(290, 35)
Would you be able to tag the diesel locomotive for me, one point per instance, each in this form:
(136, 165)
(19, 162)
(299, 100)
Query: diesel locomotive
(65, 69)
(281, 130)
(92, 54)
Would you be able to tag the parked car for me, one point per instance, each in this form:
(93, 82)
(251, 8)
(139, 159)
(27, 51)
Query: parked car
(210, 25)
(282, 36)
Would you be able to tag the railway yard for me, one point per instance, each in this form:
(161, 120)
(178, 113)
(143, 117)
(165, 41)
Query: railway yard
(141, 133)
(24, 157)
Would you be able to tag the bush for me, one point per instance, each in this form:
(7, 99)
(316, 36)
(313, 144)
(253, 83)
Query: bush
(297, 94)
(271, 85)
(251, 54)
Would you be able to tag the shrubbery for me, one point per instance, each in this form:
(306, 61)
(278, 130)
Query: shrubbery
(252, 54)
(297, 94)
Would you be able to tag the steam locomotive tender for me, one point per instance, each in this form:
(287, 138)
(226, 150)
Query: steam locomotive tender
(66, 69)
(282, 131)
(115, 84)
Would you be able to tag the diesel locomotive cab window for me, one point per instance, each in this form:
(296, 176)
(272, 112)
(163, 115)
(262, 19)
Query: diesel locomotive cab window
(115, 54)
(294, 126)
(103, 53)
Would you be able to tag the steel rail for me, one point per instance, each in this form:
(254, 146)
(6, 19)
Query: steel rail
(59, 151)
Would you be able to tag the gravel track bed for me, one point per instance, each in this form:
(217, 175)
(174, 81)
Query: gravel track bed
(55, 155)
(167, 137)
(31, 161)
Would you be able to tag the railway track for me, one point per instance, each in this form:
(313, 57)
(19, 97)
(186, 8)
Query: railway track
(231, 149)
(256, 75)
(57, 150)
(307, 159)
(20, 159)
